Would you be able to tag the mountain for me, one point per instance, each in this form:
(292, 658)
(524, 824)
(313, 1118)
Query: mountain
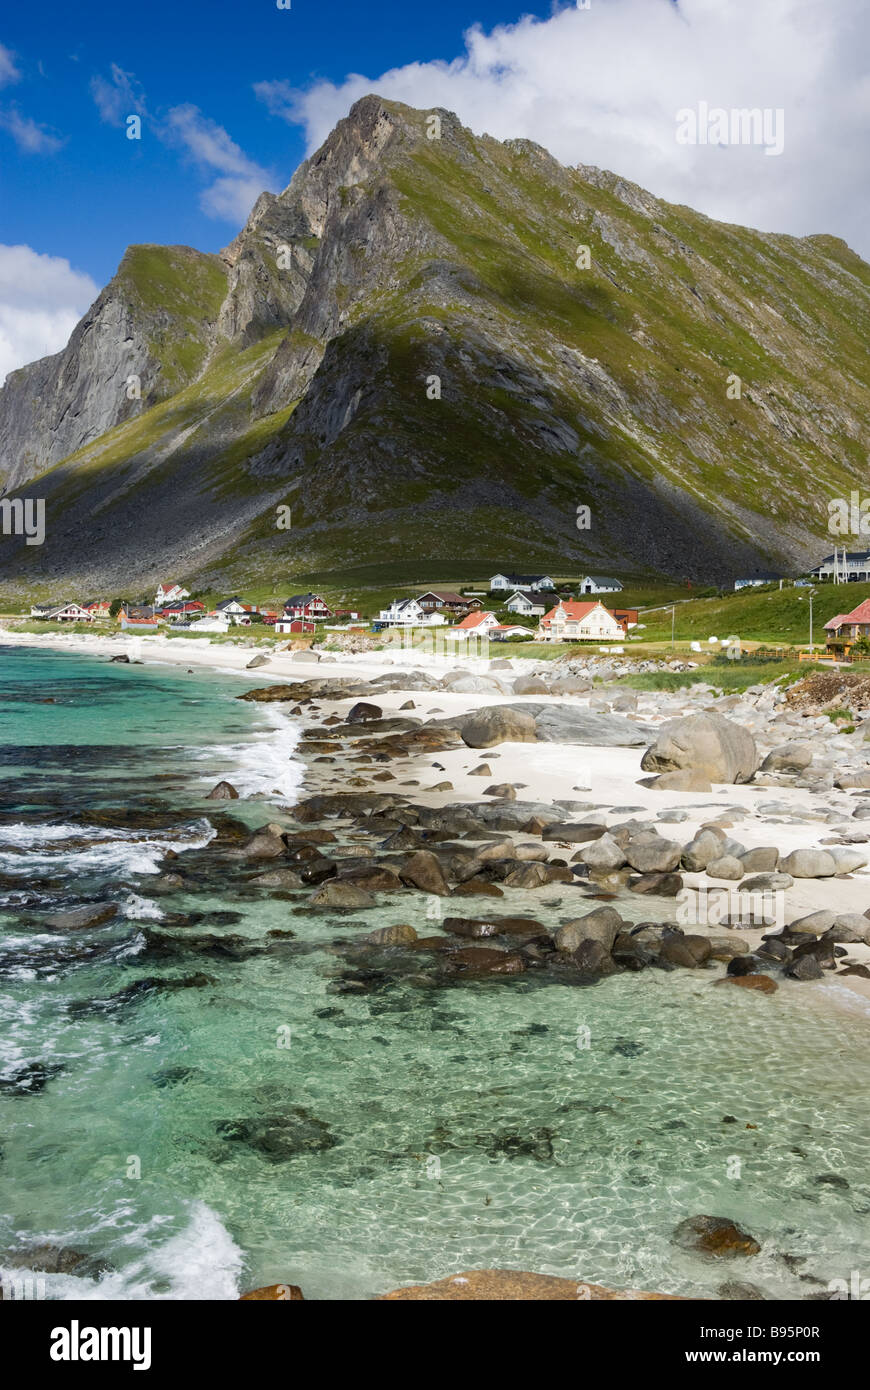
(296, 369)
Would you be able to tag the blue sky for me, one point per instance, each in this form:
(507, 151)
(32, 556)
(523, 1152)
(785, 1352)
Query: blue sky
(88, 196)
(233, 95)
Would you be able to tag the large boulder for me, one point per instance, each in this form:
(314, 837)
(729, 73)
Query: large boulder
(603, 924)
(362, 712)
(513, 1286)
(339, 893)
(423, 870)
(809, 863)
(603, 855)
(571, 724)
(707, 743)
(498, 724)
(788, 757)
(224, 791)
(707, 845)
(649, 853)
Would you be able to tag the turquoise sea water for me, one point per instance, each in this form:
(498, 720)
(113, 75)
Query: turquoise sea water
(422, 1129)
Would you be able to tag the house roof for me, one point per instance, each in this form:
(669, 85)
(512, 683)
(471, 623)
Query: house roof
(296, 600)
(521, 579)
(531, 594)
(861, 614)
(444, 595)
(604, 579)
(573, 609)
(473, 620)
(837, 621)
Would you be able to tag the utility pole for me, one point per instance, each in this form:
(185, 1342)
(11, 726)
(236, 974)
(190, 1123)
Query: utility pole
(812, 596)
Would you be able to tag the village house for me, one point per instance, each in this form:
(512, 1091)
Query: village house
(506, 630)
(529, 603)
(408, 612)
(234, 610)
(851, 565)
(309, 606)
(475, 625)
(62, 612)
(755, 580)
(572, 621)
(182, 612)
(295, 627)
(439, 599)
(599, 584)
(132, 614)
(844, 630)
(97, 607)
(170, 593)
(524, 582)
(626, 617)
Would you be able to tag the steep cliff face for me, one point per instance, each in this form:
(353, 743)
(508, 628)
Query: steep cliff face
(435, 350)
(146, 335)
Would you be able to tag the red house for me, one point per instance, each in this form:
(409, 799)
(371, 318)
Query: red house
(309, 606)
(298, 627)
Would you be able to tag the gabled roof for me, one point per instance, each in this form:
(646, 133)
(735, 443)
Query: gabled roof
(531, 594)
(840, 619)
(521, 579)
(573, 609)
(603, 579)
(444, 595)
(473, 620)
(861, 614)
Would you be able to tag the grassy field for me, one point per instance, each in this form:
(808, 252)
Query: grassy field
(765, 615)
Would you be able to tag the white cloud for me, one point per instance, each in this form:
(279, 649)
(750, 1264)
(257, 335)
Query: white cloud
(8, 70)
(603, 86)
(41, 300)
(232, 195)
(28, 134)
(118, 96)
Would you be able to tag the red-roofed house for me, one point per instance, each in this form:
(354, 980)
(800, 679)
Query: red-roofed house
(572, 621)
(475, 625)
(844, 630)
(170, 593)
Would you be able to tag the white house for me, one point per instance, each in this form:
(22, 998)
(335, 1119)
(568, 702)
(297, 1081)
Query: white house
(211, 624)
(599, 584)
(531, 604)
(571, 621)
(235, 610)
(62, 613)
(762, 577)
(170, 593)
(527, 582)
(408, 612)
(475, 625)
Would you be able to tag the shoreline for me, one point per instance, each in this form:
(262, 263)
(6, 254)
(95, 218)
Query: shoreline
(603, 776)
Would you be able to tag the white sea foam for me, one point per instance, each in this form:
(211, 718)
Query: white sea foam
(138, 909)
(201, 1261)
(120, 851)
(265, 764)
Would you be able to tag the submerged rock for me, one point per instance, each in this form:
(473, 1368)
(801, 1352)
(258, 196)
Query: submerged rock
(714, 1235)
(279, 1138)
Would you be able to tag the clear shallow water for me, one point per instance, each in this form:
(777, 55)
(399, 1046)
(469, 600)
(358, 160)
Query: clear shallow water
(452, 1127)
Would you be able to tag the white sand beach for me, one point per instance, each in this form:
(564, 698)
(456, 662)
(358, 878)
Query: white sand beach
(607, 777)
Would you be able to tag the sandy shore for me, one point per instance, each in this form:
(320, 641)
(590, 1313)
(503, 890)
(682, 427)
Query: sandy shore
(543, 772)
